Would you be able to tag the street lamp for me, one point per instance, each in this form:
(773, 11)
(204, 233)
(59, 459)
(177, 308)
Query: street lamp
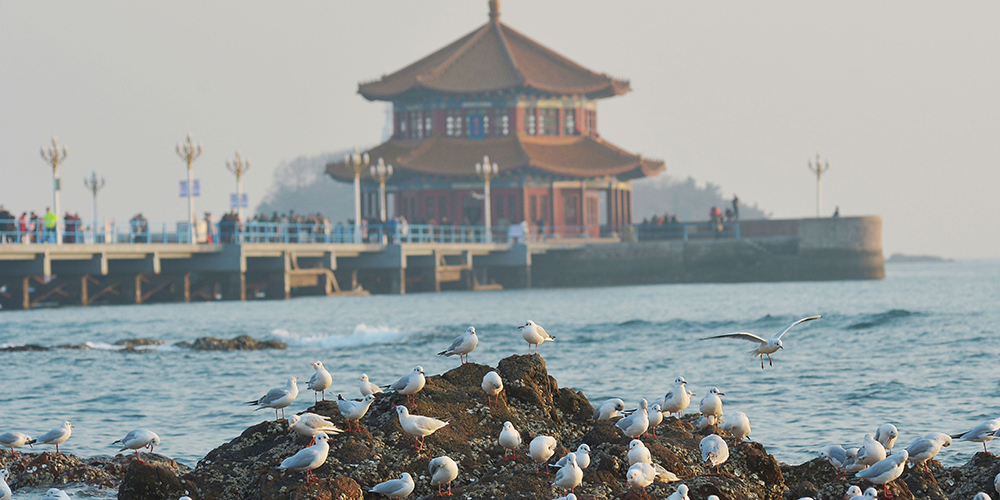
(358, 161)
(93, 184)
(189, 152)
(238, 167)
(487, 171)
(819, 168)
(54, 155)
(382, 172)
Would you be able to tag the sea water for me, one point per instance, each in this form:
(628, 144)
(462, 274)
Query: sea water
(918, 349)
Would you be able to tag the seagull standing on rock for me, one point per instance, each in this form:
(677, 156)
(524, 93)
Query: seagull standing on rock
(871, 451)
(278, 398)
(409, 385)
(418, 426)
(637, 423)
(442, 470)
(570, 476)
(926, 448)
(320, 381)
(643, 474)
(582, 454)
(309, 458)
(711, 405)
(14, 440)
(766, 347)
(138, 439)
(655, 416)
(534, 335)
(676, 399)
(5, 492)
(680, 494)
(510, 439)
(637, 452)
(981, 433)
(738, 425)
(541, 450)
(352, 411)
(395, 488)
(367, 387)
(462, 345)
(55, 494)
(885, 471)
(608, 409)
(886, 435)
(714, 451)
(492, 385)
(311, 424)
(55, 436)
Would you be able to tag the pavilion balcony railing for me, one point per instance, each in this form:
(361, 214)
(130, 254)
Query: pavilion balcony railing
(138, 232)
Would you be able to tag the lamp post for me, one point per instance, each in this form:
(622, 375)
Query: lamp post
(487, 171)
(382, 172)
(819, 168)
(93, 184)
(55, 155)
(189, 152)
(358, 161)
(238, 167)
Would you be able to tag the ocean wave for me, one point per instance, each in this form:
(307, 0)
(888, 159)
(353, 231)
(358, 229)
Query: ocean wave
(882, 318)
(362, 335)
(103, 346)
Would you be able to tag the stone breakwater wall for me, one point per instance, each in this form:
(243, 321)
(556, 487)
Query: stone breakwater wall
(844, 248)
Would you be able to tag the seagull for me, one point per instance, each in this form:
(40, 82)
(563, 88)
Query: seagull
(637, 452)
(766, 347)
(5, 492)
(609, 409)
(714, 451)
(137, 439)
(55, 494)
(541, 449)
(996, 483)
(870, 494)
(311, 424)
(853, 464)
(637, 423)
(367, 387)
(570, 476)
(354, 410)
(680, 494)
(278, 398)
(677, 399)
(567, 497)
(510, 439)
(711, 405)
(836, 455)
(492, 385)
(852, 493)
(55, 436)
(462, 345)
(418, 426)
(320, 381)
(582, 454)
(309, 458)
(926, 448)
(655, 416)
(980, 433)
(14, 440)
(981, 496)
(871, 451)
(643, 474)
(442, 470)
(738, 425)
(395, 488)
(886, 470)
(410, 385)
(886, 435)
(534, 335)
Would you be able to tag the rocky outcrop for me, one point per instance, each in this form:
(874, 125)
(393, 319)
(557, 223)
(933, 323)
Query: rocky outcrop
(51, 469)
(241, 343)
(152, 481)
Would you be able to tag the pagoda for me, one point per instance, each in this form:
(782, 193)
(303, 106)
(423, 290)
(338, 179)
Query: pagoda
(497, 92)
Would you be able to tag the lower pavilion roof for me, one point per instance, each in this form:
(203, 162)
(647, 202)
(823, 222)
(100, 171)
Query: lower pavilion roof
(564, 156)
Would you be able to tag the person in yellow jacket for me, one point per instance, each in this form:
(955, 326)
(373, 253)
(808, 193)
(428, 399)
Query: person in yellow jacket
(51, 220)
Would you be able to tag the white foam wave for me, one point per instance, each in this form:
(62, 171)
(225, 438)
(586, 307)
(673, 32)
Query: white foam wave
(103, 346)
(361, 336)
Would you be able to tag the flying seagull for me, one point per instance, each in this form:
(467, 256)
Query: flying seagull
(766, 347)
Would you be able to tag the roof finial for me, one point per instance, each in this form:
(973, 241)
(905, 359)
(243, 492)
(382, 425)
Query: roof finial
(494, 10)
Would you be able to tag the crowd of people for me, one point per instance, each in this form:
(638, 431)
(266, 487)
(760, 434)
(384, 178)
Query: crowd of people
(29, 227)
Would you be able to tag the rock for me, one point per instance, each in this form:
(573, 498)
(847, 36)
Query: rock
(25, 347)
(241, 343)
(131, 344)
(152, 481)
(48, 469)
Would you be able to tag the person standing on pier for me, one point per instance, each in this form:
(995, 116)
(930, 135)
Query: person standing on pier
(736, 207)
(51, 219)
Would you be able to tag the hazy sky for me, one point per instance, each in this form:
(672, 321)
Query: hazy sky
(903, 98)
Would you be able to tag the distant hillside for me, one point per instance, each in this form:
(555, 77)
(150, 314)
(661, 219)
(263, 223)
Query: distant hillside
(303, 186)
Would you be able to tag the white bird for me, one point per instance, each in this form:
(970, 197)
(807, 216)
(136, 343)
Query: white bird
(738, 425)
(367, 387)
(996, 483)
(680, 494)
(870, 494)
(886, 435)
(320, 381)
(278, 398)
(14, 440)
(55, 436)
(637, 452)
(637, 423)
(418, 426)
(409, 385)
(541, 449)
(853, 464)
(926, 448)
(608, 409)
(534, 335)
(582, 454)
(980, 433)
(871, 451)
(55, 494)
(570, 476)
(311, 424)
(886, 470)
(138, 439)
(711, 405)
(716, 497)
(5, 492)
(676, 399)
(714, 451)
(395, 488)
(836, 455)
(567, 497)
(643, 474)
(492, 385)
(442, 470)
(981, 496)
(354, 410)
(309, 458)
(655, 416)
(462, 345)
(766, 347)
(510, 439)
(853, 492)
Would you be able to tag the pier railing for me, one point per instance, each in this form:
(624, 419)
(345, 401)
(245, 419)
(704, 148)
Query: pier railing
(138, 232)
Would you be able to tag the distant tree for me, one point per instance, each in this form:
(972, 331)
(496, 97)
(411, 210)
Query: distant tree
(690, 202)
(302, 185)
